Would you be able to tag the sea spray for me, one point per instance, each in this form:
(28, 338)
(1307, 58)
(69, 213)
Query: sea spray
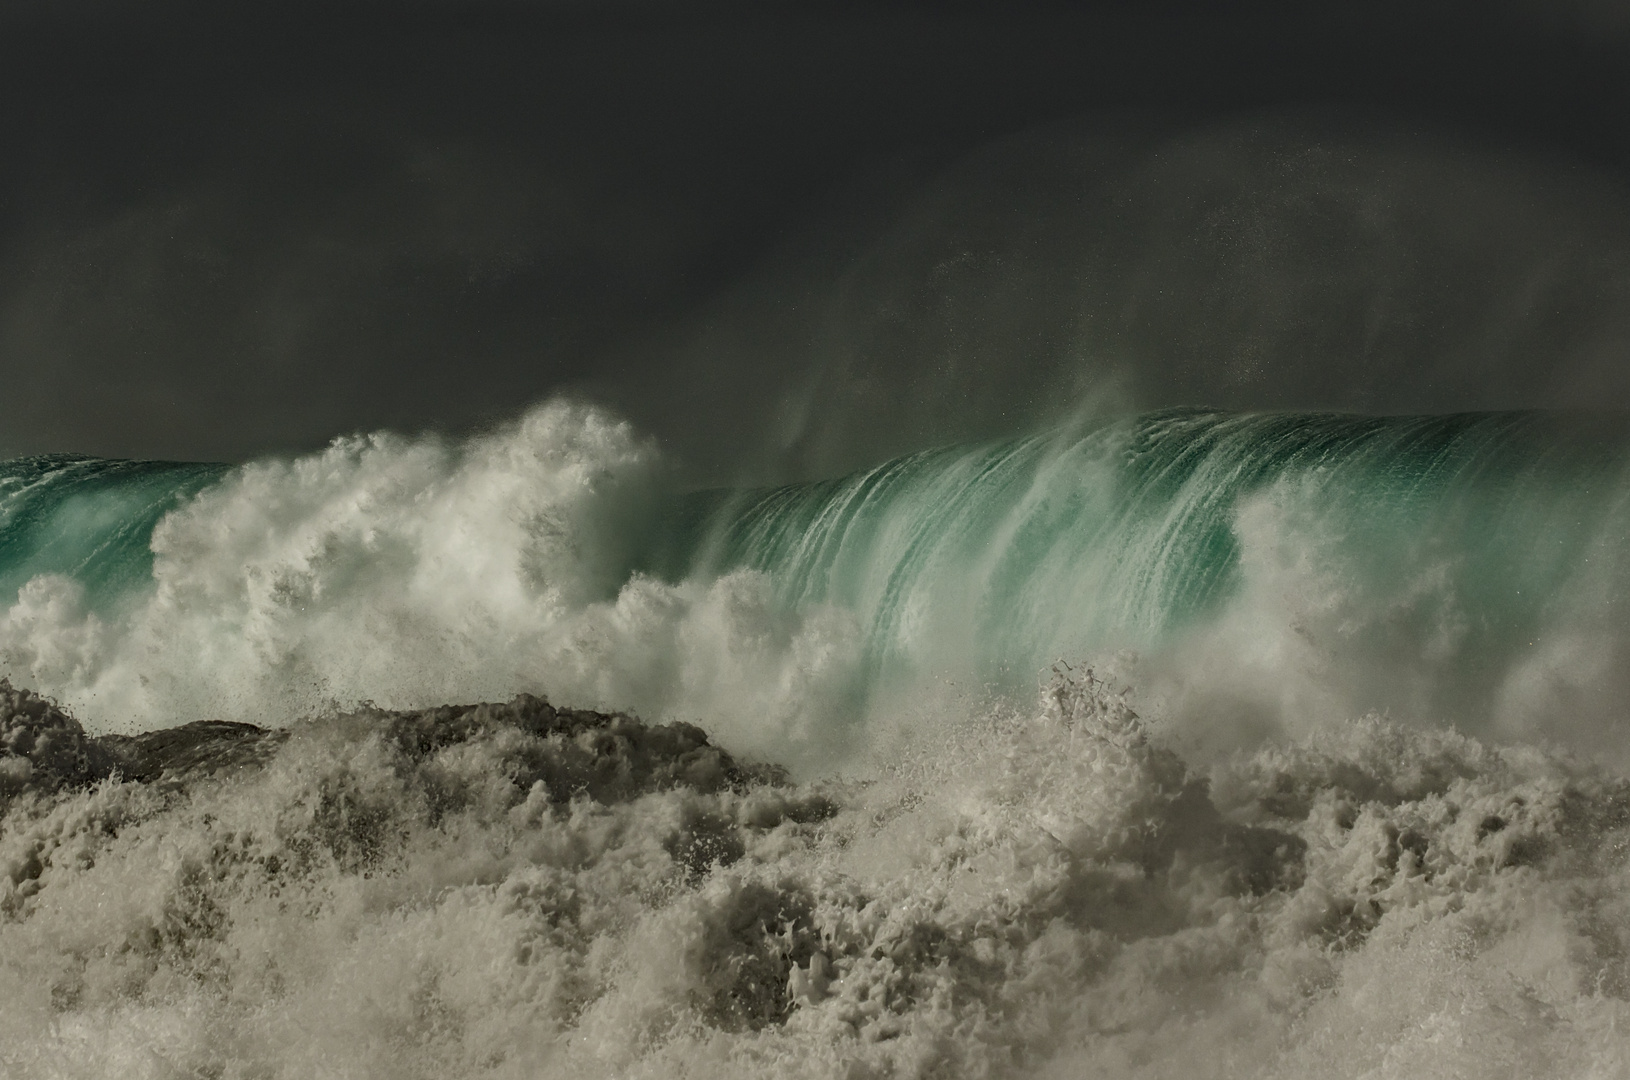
(520, 890)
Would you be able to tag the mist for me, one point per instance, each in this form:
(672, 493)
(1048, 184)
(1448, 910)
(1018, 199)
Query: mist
(794, 240)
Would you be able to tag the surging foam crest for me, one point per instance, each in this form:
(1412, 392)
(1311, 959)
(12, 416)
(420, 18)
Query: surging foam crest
(406, 571)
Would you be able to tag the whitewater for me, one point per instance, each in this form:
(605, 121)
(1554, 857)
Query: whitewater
(1190, 743)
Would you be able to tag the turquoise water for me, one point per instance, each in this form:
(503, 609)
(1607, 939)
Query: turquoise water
(88, 518)
(1125, 534)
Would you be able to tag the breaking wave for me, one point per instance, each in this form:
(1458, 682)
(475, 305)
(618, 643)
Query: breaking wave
(1273, 571)
(1254, 575)
(410, 572)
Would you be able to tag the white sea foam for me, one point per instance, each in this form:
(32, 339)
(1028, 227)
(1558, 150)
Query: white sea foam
(1050, 893)
(1325, 625)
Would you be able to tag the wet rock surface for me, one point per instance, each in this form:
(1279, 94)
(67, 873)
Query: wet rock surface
(573, 752)
(202, 748)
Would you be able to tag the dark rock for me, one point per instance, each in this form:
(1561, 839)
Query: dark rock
(608, 757)
(202, 748)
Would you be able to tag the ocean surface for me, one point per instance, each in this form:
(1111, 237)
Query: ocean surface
(1189, 744)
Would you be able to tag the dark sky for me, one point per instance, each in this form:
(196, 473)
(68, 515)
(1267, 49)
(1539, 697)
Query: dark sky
(791, 237)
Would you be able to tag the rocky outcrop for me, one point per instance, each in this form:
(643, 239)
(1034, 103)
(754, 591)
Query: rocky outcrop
(607, 757)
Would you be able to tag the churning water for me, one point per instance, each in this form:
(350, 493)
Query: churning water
(1342, 794)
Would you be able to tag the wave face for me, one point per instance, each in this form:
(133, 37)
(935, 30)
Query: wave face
(1446, 568)
(1466, 569)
